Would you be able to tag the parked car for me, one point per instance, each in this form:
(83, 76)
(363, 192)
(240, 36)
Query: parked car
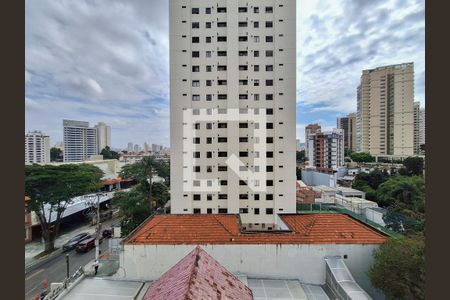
(73, 242)
(87, 244)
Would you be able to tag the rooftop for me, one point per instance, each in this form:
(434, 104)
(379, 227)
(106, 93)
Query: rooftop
(224, 229)
(198, 276)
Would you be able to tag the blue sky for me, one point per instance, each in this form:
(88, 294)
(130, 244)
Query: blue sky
(108, 61)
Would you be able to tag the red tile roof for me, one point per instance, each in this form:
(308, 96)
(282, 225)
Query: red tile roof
(224, 229)
(198, 276)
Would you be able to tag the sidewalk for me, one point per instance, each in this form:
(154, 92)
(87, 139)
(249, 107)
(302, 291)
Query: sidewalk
(34, 248)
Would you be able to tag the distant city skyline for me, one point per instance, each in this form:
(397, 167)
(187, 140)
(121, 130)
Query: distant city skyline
(122, 84)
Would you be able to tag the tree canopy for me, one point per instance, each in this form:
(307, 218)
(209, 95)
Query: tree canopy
(369, 182)
(109, 154)
(362, 157)
(56, 154)
(399, 268)
(300, 155)
(413, 165)
(52, 187)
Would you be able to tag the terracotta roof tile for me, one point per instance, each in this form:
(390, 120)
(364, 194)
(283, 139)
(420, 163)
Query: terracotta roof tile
(224, 229)
(198, 276)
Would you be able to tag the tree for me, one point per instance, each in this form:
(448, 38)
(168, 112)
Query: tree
(413, 165)
(160, 193)
(134, 209)
(369, 182)
(300, 156)
(299, 174)
(109, 154)
(399, 268)
(362, 157)
(348, 152)
(56, 154)
(51, 189)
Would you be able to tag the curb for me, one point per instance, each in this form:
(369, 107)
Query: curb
(43, 260)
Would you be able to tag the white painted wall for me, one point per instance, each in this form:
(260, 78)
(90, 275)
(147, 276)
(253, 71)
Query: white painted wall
(304, 261)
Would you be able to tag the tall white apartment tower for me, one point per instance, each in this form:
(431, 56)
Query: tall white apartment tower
(37, 148)
(80, 141)
(233, 89)
(103, 136)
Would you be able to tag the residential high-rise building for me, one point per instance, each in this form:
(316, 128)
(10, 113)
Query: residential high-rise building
(103, 136)
(130, 147)
(326, 149)
(297, 145)
(385, 110)
(37, 147)
(136, 148)
(310, 129)
(146, 147)
(348, 125)
(416, 127)
(422, 128)
(80, 141)
(232, 106)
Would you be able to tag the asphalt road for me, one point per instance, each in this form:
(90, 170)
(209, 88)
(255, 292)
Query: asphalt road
(55, 269)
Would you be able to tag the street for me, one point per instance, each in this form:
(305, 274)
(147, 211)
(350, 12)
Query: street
(54, 270)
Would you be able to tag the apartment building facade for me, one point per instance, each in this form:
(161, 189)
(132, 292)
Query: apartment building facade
(326, 149)
(233, 89)
(348, 125)
(103, 136)
(80, 141)
(37, 147)
(310, 130)
(385, 110)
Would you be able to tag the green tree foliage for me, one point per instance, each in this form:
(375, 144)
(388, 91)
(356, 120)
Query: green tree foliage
(134, 209)
(56, 154)
(413, 165)
(109, 154)
(362, 157)
(300, 156)
(299, 174)
(399, 268)
(52, 187)
(160, 193)
(348, 152)
(369, 182)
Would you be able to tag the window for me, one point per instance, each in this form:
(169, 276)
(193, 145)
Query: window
(221, 125)
(256, 197)
(208, 82)
(195, 11)
(209, 140)
(242, 24)
(256, 97)
(256, 82)
(256, 211)
(208, 39)
(195, 68)
(242, 182)
(197, 210)
(243, 196)
(223, 182)
(195, 53)
(209, 197)
(195, 97)
(243, 82)
(221, 53)
(243, 53)
(221, 68)
(255, 24)
(222, 154)
(221, 9)
(223, 211)
(269, 39)
(208, 69)
(209, 154)
(269, 53)
(269, 168)
(269, 96)
(269, 82)
(256, 68)
(221, 139)
(269, 24)
(196, 169)
(195, 39)
(256, 10)
(208, 97)
(269, 196)
(269, 125)
(221, 38)
(221, 24)
(269, 211)
(243, 154)
(209, 210)
(269, 9)
(242, 9)
(269, 68)
(196, 140)
(243, 140)
(221, 82)
(256, 53)
(195, 25)
(209, 126)
(222, 96)
(243, 68)
(269, 140)
(243, 125)
(208, 53)
(223, 196)
(196, 154)
(256, 39)
(243, 210)
(195, 83)
(243, 96)
(269, 111)
(208, 25)
(208, 10)
(197, 126)
(222, 168)
(269, 154)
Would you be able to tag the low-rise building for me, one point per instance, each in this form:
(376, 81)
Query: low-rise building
(315, 176)
(304, 194)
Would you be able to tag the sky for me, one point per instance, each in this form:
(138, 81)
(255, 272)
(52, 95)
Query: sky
(108, 61)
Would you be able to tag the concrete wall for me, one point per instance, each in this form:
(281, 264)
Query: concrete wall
(311, 177)
(304, 262)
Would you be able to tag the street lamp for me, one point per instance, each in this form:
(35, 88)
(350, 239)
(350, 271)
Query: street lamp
(97, 235)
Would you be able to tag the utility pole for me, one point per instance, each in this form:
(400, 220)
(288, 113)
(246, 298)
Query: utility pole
(67, 266)
(97, 239)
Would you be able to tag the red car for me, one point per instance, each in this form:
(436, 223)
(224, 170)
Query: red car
(87, 244)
